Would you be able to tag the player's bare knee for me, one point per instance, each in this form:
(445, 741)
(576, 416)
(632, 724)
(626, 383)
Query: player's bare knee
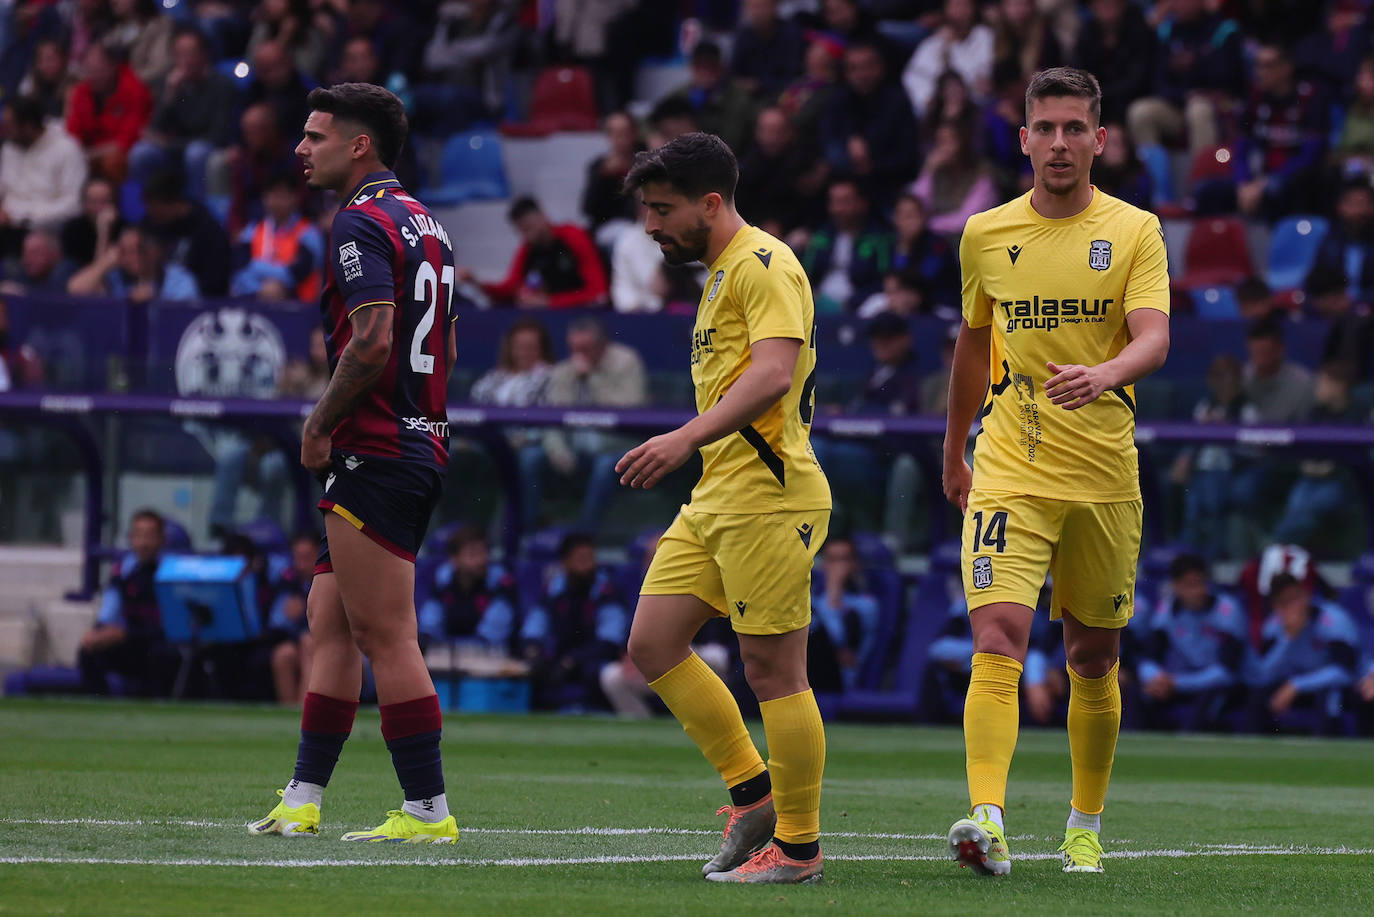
(376, 641)
(1090, 662)
(654, 655)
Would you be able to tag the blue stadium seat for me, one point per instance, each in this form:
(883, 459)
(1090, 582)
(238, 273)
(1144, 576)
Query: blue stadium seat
(175, 538)
(1216, 303)
(1292, 249)
(1156, 161)
(469, 169)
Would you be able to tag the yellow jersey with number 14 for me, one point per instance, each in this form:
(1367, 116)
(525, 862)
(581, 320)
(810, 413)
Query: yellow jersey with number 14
(1059, 291)
(756, 289)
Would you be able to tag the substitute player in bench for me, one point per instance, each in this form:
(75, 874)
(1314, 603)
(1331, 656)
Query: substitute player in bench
(744, 546)
(378, 439)
(1066, 298)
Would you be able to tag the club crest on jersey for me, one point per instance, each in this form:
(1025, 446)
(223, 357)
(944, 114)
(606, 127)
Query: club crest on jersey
(715, 286)
(350, 262)
(982, 572)
(1099, 254)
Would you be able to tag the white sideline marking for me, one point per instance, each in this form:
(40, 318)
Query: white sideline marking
(1227, 850)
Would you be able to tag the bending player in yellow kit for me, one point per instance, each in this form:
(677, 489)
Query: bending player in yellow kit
(744, 546)
(1066, 298)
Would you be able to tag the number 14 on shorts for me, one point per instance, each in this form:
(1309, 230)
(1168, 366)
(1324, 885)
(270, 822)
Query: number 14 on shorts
(993, 536)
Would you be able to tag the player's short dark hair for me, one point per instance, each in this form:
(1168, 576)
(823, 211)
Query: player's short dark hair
(694, 164)
(572, 541)
(464, 536)
(377, 111)
(151, 515)
(1056, 82)
(27, 110)
(1268, 327)
(1184, 564)
(521, 206)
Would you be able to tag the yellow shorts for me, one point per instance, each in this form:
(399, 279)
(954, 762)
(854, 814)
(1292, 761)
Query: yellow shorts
(754, 569)
(1010, 541)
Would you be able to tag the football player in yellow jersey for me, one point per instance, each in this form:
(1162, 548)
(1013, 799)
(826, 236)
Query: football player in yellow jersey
(743, 547)
(1066, 299)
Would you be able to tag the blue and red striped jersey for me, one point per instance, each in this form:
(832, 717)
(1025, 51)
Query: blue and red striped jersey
(385, 249)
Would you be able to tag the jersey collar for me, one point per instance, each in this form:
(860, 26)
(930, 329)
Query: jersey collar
(372, 183)
(736, 239)
(1083, 214)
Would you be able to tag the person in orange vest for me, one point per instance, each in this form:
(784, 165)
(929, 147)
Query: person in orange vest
(280, 255)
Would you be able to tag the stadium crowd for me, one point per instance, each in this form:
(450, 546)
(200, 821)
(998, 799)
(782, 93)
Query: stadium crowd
(147, 156)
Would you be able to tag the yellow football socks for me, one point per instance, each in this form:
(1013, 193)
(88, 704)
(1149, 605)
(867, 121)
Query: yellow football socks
(796, 760)
(1094, 722)
(992, 717)
(708, 713)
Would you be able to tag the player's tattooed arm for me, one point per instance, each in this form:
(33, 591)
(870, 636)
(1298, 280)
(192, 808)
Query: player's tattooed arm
(359, 366)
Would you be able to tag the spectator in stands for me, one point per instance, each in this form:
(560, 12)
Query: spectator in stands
(1120, 173)
(262, 153)
(955, 182)
(472, 601)
(844, 620)
(1023, 39)
(935, 384)
(1349, 324)
(1277, 155)
(189, 232)
(579, 625)
(127, 637)
(467, 62)
(396, 37)
(136, 268)
(894, 387)
(290, 24)
(917, 249)
(851, 23)
(624, 685)
(90, 233)
(41, 173)
(20, 365)
(1348, 249)
(1355, 148)
(807, 99)
(766, 54)
(1000, 135)
(278, 82)
(359, 63)
(672, 117)
(721, 107)
(556, 266)
(1204, 473)
(90, 21)
(903, 294)
(288, 630)
(1324, 487)
(1190, 676)
(524, 363)
(781, 178)
(608, 210)
(307, 379)
(49, 79)
(597, 373)
(951, 102)
(1117, 46)
(108, 111)
(960, 43)
(847, 257)
(144, 35)
(1199, 65)
(869, 132)
(193, 117)
(1254, 299)
(41, 267)
(1308, 658)
(1331, 56)
(280, 255)
(1280, 389)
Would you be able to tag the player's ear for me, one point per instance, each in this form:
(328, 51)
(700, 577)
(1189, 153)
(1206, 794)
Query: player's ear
(1024, 133)
(1101, 141)
(713, 202)
(361, 144)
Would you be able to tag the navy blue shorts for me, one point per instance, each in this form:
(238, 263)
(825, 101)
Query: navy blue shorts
(388, 500)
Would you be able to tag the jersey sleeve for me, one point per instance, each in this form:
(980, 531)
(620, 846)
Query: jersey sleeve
(977, 304)
(1147, 287)
(771, 301)
(361, 255)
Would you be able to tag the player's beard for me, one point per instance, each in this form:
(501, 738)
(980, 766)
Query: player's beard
(1060, 186)
(691, 248)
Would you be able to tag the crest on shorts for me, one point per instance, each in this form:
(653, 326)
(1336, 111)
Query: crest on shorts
(982, 572)
(1099, 254)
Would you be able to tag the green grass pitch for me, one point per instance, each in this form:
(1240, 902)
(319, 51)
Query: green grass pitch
(123, 808)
